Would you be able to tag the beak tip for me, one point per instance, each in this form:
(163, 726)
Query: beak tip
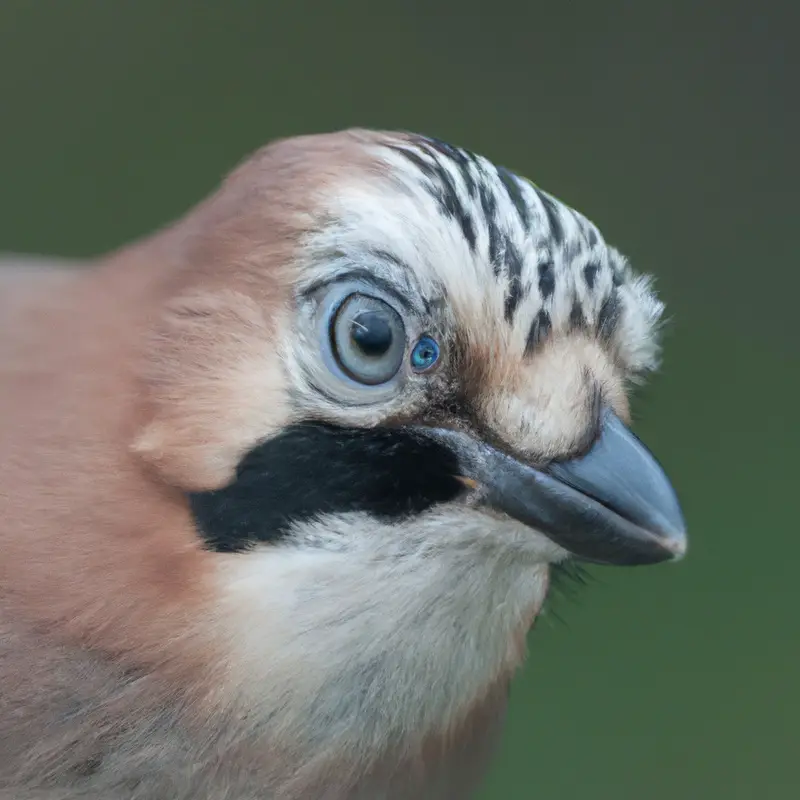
(677, 545)
(671, 531)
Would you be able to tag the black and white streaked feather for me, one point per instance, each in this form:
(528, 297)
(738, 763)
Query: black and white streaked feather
(451, 223)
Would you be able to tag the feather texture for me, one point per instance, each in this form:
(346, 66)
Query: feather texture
(357, 657)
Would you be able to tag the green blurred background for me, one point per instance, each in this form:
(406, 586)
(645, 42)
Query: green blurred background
(675, 127)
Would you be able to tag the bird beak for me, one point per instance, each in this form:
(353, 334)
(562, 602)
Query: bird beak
(613, 505)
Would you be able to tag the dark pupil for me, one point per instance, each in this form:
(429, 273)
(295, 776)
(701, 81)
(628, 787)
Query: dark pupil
(371, 332)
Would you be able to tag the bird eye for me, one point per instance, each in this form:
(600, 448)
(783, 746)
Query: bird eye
(425, 354)
(368, 339)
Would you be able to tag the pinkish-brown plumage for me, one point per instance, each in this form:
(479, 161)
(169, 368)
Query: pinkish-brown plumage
(137, 662)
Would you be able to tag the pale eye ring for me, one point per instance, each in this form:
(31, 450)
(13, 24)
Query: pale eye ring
(368, 339)
(425, 354)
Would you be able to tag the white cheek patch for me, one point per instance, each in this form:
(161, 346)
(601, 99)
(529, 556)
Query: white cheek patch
(415, 619)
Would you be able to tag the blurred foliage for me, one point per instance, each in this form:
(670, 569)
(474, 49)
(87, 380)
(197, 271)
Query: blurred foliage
(674, 126)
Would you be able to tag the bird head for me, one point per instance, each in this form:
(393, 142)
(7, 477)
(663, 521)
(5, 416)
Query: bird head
(393, 387)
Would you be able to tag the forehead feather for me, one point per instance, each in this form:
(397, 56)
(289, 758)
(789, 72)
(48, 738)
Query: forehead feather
(512, 264)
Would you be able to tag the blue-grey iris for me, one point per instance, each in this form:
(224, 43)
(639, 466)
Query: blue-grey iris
(368, 339)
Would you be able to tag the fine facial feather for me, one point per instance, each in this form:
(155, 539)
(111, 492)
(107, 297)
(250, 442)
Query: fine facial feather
(354, 657)
(450, 227)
